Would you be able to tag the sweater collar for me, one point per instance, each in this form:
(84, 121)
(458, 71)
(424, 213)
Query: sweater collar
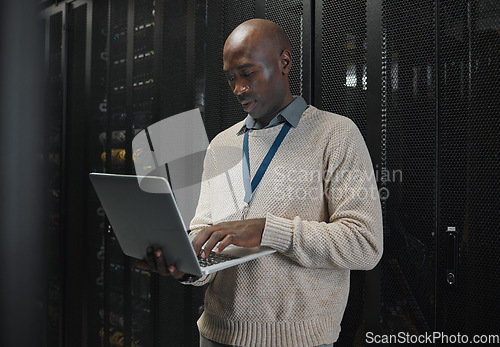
(290, 114)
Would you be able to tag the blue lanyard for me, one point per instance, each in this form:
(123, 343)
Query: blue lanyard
(250, 187)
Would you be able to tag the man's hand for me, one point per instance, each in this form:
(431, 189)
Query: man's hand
(244, 233)
(156, 263)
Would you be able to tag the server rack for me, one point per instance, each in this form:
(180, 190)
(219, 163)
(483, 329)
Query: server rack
(420, 88)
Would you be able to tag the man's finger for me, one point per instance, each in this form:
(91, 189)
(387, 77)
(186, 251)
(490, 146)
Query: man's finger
(201, 237)
(151, 259)
(199, 240)
(174, 272)
(212, 241)
(228, 240)
(142, 264)
(160, 263)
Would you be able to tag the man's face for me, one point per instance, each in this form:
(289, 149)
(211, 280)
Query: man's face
(254, 74)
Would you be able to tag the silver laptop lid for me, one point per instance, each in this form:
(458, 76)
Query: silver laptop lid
(141, 219)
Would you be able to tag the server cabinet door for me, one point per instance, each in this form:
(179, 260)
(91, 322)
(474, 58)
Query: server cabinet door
(469, 81)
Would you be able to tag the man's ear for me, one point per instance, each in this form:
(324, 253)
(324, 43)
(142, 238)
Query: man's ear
(286, 61)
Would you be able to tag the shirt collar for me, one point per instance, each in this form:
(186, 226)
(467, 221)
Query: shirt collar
(290, 114)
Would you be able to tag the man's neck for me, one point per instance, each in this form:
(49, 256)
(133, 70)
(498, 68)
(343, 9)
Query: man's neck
(264, 122)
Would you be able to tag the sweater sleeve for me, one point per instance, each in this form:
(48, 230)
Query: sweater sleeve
(352, 238)
(203, 216)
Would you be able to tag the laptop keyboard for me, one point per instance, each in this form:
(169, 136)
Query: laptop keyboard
(214, 258)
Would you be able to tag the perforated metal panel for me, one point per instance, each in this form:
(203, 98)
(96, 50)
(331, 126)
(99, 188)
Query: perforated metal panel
(114, 313)
(290, 16)
(343, 91)
(118, 54)
(173, 83)
(409, 172)
(469, 164)
(235, 13)
(343, 62)
(144, 55)
(221, 107)
(96, 127)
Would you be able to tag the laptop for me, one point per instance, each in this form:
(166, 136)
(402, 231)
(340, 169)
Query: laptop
(141, 219)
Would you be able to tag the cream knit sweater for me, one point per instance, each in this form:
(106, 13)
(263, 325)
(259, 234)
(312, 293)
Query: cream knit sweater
(323, 217)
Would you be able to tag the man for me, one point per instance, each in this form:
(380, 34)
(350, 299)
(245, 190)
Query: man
(317, 205)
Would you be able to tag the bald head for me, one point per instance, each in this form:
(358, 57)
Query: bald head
(256, 32)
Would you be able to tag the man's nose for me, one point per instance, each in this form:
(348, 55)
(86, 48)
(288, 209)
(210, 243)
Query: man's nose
(240, 87)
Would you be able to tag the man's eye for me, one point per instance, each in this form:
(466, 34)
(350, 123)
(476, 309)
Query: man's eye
(230, 78)
(248, 74)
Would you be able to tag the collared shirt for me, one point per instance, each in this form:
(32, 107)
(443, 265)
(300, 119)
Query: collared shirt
(290, 114)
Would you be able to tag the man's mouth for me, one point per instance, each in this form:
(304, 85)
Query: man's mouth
(248, 105)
